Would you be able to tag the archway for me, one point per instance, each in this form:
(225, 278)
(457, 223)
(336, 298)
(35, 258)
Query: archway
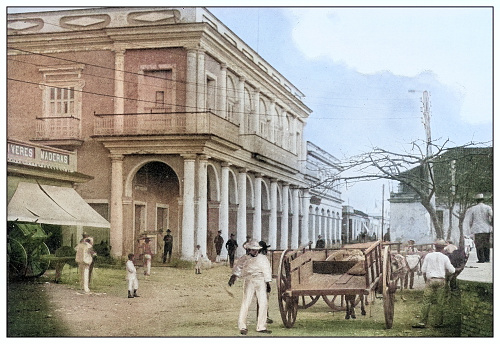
(155, 193)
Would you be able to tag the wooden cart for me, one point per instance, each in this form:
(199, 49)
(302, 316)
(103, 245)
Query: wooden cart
(307, 275)
(27, 253)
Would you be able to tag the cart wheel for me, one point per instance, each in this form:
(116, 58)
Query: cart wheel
(288, 304)
(307, 301)
(330, 301)
(36, 264)
(17, 259)
(387, 289)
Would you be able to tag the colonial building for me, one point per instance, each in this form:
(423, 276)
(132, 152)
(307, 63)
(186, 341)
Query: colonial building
(325, 210)
(182, 125)
(354, 223)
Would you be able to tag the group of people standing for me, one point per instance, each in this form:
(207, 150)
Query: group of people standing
(438, 268)
(147, 255)
(255, 270)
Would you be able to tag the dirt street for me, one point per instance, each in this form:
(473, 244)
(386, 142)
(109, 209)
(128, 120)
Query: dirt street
(169, 300)
(178, 303)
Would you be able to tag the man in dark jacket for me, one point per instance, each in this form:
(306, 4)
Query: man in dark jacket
(167, 249)
(321, 242)
(231, 246)
(218, 241)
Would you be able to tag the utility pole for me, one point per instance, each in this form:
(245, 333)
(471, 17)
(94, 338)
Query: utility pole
(426, 112)
(382, 225)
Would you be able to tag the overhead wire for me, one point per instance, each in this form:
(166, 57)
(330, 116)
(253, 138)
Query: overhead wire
(167, 79)
(235, 90)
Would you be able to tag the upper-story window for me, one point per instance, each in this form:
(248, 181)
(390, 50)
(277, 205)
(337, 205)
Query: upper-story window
(160, 99)
(211, 96)
(248, 109)
(62, 101)
(155, 89)
(231, 101)
(264, 119)
(62, 91)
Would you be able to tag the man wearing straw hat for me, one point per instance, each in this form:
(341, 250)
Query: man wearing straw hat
(255, 270)
(435, 268)
(481, 227)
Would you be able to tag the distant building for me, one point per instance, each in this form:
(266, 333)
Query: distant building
(460, 173)
(325, 209)
(358, 226)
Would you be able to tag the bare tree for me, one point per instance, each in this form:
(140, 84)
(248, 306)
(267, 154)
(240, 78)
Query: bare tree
(414, 169)
(470, 170)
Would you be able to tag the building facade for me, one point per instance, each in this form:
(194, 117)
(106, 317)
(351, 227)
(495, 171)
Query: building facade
(41, 185)
(325, 209)
(182, 125)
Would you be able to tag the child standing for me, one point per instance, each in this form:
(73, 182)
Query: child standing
(147, 252)
(133, 282)
(197, 259)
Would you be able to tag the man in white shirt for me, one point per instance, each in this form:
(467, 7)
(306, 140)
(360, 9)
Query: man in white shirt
(480, 221)
(255, 269)
(84, 259)
(435, 267)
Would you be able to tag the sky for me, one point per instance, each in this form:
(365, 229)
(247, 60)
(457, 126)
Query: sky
(364, 69)
(356, 67)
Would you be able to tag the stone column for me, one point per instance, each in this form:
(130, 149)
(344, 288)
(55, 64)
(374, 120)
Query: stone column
(188, 213)
(284, 218)
(201, 225)
(312, 226)
(257, 215)
(191, 75)
(119, 96)
(324, 227)
(201, 82)
(116, 231)
(335, 228)
(222, 108)
(305, 219)
(242, 211)
(273, 217)
(224, 206)
(339, 229)
(295, 219)
(328, 229)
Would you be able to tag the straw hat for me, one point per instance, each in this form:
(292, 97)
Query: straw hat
(253, 245)
(440, 242)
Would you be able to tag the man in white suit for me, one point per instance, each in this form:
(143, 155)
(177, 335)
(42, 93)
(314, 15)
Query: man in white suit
(255, 269)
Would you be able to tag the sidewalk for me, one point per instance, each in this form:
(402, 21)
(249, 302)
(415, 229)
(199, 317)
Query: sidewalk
(477, 272)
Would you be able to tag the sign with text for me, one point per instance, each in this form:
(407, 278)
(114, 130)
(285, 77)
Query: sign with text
(40, 156)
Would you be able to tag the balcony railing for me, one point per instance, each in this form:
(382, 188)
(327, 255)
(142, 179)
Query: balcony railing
(189, 123)
(266, 151)
(165, 124)
(57, 128)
